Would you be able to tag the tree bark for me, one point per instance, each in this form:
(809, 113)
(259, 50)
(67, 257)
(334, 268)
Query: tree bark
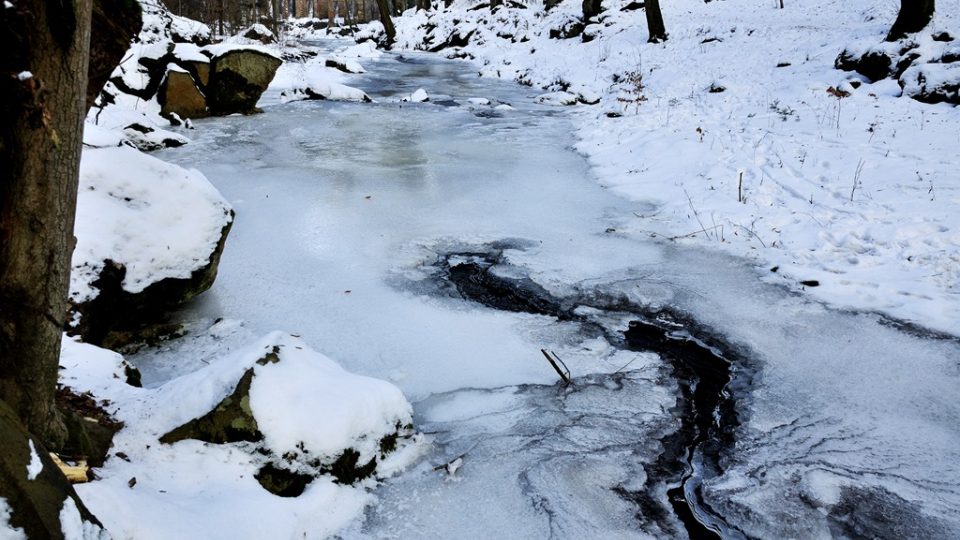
(658, 31)
(385, 20)
(41, 134)
(914, 16)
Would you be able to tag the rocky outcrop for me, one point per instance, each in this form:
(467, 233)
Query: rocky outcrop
(190, 78)
(42, 503)
(180, 94)
(237, 79)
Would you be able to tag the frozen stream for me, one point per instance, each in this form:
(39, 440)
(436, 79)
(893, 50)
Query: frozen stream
(352, 223)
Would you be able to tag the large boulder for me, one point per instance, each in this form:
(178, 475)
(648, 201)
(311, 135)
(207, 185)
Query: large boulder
(238, 76)
(179, 94)
(35, 494)
(149, 238)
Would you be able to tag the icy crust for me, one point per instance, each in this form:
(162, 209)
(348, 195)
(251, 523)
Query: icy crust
(671, 131)
(303, 400)
(156, 219)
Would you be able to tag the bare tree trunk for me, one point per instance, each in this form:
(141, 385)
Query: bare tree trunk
(385, 20)
(41, 134)
(658, 31)
(276, 16)
(914, 16)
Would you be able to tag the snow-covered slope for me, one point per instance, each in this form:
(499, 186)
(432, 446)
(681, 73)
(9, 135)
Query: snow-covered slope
(729, 127)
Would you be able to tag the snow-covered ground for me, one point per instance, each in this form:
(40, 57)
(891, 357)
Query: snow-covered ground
(729, 130)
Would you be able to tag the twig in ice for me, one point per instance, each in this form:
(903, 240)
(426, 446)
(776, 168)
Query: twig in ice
(556, 362)
(696, 214)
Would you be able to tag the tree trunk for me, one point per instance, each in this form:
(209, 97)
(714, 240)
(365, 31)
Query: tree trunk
(914, 17)
(41, 134)
(276, 17)
(385, 19)
(591, 8)
(658, 31)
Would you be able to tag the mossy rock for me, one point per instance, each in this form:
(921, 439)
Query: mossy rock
(230, 421)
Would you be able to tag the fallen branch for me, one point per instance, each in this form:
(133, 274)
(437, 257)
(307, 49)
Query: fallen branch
(451, 467)
(556, 362)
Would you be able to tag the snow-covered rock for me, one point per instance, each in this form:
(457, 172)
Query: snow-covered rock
(306, 411)
(558, 98)
(259, 32)
(366, 49)
(320, 89)
(149, 236)
(345, 65)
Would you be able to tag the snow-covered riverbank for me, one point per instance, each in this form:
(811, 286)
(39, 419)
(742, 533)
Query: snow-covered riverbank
(729, 130)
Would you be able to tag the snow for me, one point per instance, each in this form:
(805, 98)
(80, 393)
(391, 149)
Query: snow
(419, 96)
(303, 403)
(351, 408)
(6, 531)
(240, 44)
(318, 86)
(366, 49)
(189, 52)
(75, 528)
(35, 467)
(187, 29)
(312, 79)
(157, 219)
